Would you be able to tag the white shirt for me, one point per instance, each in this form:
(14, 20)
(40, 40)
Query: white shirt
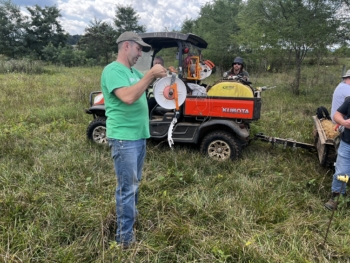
(339, 95)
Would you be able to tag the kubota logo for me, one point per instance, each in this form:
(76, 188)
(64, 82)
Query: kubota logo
(228, 87)
(234, 110)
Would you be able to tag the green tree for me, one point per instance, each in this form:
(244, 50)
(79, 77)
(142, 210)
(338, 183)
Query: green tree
(99, 41)
(66, 56)
(126, 19)
(50, 53)
(217, 24)
(44, 28)
(343, 51)
(188, 26)
(73, 39)
(11, 30)
(297, 26)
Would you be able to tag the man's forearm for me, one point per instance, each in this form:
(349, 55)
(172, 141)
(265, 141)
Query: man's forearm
(132, 93)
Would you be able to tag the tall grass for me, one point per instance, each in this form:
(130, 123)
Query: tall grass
(21, 66)
(57, 189)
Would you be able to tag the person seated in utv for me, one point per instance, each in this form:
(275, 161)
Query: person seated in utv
(158, 60)
(237, 70)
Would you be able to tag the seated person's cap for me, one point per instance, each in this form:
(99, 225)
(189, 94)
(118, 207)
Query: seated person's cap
(131, 36)
(238, 60)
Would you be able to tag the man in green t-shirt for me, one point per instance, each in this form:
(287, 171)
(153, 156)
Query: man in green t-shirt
(127, 123)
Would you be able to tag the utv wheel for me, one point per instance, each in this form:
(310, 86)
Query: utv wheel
(221, 146)
(96, 130)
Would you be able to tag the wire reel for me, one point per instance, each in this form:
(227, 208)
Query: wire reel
(164, 93)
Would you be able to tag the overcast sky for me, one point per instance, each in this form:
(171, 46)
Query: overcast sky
(155, 15)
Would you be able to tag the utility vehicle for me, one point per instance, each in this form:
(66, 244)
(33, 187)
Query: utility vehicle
(215, 117)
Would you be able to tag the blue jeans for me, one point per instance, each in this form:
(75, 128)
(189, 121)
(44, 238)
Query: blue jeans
(128, 157)
(342, 167)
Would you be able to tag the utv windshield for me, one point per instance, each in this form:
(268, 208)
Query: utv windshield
(144, 62)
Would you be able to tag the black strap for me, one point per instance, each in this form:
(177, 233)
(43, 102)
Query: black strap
(322, 113)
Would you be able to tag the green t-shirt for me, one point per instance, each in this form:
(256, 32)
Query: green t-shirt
(124, 121)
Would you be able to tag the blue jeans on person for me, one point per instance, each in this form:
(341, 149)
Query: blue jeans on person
(128, 157)
(342, 167)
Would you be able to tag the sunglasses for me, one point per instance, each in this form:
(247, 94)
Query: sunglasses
(237, 64)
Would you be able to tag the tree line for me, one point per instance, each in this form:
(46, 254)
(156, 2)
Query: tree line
(275, 35)
(40, 35)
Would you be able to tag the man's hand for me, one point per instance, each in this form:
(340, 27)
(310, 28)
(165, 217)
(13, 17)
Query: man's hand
(346, 123)
(132, 93)
(158, 71)
(340, 119)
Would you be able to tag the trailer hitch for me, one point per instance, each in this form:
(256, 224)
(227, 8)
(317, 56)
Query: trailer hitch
(285, 142)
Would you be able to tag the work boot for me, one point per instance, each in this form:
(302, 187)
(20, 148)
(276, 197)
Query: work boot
(128, 245)
(332, 204)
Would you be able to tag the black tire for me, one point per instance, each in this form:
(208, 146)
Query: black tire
(221, 145)
(96, 131)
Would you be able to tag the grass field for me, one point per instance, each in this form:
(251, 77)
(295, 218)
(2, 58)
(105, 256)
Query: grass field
(57, 189)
